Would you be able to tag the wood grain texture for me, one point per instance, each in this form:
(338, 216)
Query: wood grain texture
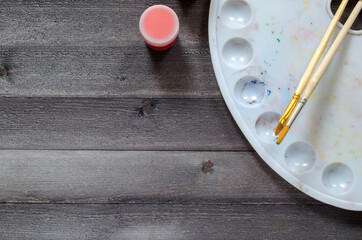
(94, 49)
(118, 124)
(141, 177)
(130, 129)
(136, 222)
(128, 71)
(93, 23)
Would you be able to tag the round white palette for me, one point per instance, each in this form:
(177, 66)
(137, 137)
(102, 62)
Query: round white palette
(260, 49)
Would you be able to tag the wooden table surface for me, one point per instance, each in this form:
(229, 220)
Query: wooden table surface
(103, 138)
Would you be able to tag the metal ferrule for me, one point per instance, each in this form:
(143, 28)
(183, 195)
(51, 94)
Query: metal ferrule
(296, 112)
(293, 102)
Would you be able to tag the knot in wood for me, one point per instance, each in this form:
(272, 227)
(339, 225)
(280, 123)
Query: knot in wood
(146, 108)
(3, 70)
(207, 167)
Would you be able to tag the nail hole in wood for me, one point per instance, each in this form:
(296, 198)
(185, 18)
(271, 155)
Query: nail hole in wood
(207, 167)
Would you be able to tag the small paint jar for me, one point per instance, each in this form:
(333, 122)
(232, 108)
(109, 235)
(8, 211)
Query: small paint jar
(159, 26)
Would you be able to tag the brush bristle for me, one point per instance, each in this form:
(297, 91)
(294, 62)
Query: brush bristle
(282, 134)
(278, 129)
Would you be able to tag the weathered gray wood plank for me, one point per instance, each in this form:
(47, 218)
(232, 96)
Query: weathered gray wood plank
(129, 5)
(137, 221)
(93, 48)
(92, 23)
(128, 71)
(122, 124)
(141, 177)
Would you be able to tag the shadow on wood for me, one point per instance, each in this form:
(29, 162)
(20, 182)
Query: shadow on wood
(165, 62)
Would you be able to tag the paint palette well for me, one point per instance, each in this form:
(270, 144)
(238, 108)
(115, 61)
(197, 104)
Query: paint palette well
(259, 50)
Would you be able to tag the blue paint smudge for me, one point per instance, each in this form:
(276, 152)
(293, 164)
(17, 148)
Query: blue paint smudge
(256, 82)
(253, 91)
(278, 39)
(244, 87)
(269, 92)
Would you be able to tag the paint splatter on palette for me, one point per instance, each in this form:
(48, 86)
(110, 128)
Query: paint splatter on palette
(260, 50)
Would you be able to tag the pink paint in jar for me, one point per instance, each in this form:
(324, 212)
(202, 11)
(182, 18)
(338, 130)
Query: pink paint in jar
(159, 27)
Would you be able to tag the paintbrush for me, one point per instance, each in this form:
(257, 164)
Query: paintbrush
(312, 65)
(320, 70)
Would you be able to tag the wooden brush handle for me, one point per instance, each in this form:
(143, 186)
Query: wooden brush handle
(322, 46)
(331, 52)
